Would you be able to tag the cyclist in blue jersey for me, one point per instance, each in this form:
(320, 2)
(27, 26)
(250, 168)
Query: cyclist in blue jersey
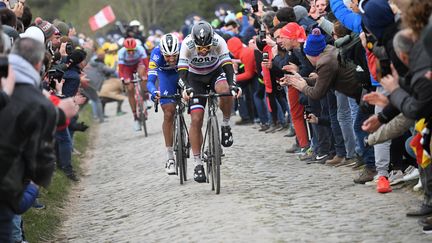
(163, 65)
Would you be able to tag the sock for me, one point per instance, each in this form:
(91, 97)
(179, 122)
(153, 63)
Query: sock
(197, 159)
(226, 121)
(170, 152)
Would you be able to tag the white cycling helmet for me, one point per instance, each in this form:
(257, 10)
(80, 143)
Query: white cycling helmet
(134, 23)
(169, 45)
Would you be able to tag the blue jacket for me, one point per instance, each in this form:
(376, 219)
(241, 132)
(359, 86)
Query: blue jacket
(30, 194)
(72, 81)
(348, 18)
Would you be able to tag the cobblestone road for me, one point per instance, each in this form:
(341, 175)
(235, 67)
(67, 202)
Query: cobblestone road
(266, 196)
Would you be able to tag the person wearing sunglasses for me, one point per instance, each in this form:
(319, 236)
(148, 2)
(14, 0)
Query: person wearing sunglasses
(205, 61)
(163, 66)
(132, 58)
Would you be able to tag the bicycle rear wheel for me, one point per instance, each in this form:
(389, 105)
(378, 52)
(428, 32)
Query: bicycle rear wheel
(216, 154)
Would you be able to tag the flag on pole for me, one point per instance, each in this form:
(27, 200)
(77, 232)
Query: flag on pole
(102, 18)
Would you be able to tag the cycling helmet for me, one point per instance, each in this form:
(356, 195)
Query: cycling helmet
(169, 45)
(202, 33)
(130, 44)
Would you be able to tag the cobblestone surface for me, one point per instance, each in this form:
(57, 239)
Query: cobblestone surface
(266, 196)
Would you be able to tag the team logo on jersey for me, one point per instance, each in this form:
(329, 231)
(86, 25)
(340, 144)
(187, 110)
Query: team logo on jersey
(190, 44)
(152, 65)
(204, 59)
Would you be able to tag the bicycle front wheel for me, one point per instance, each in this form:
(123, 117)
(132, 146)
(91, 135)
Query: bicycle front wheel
(180, 156)
(216, 155)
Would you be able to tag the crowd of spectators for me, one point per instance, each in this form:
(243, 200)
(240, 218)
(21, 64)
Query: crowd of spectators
(349, 80)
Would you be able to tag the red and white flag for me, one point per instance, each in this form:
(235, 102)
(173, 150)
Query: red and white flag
(102, 18)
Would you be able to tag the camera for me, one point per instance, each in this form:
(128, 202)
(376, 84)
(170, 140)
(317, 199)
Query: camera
(265, 57)
(254, 4)
(55, 74)
(69, 48)
(4, 66)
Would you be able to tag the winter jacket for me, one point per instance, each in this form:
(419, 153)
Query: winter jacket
(4, 99)
(347, 17)
(416, 101)
(395, 128)
(27, 130)
(97, 72)
(72, 81)
(332, 75)
(246, 56)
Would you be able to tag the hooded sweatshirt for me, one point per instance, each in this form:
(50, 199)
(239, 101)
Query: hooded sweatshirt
(25, 73)
(246, 56)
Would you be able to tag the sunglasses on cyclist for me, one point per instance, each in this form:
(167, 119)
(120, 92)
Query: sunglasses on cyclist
(130, 50)
(204, 48)
(170, 56)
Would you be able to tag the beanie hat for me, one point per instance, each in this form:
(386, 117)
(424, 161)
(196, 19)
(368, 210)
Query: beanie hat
(293, 31)
(300, 12)
(377, 16)
(76, 57)
(315, 43)
(286, 14)
(34, 33)
(62, 27)
(48, 29)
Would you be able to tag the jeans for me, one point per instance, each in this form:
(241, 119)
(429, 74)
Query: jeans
(258, 98)
(346, 124)
(366, 152)
(335, 128)
(64, 144)
(16, 228)
(354, 110)
(245, 102)
(6, 223)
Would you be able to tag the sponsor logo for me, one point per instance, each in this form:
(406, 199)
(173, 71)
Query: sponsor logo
(204, 59)
(190, 44)
(152, 65)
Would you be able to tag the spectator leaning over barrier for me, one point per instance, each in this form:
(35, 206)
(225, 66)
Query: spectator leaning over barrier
(331, 74)
(26, 145)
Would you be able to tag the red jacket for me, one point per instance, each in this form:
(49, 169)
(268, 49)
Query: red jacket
(266, 71)
(246, 56)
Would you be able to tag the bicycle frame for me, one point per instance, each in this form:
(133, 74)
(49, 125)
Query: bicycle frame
(139, 99)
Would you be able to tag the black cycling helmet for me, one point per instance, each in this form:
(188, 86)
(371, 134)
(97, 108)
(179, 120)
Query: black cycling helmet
(202, 33)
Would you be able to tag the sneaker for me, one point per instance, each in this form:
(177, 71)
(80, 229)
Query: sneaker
(358, 165)
(425, 221)
(383, 185)
(283, 128)
(170, 167)
(264, 127)
(291, 133)
(347, 162)
(273, 128)
(137, 125)
(306, 157)
(418, 186)
(243, 122)
(38, 205)
(366, 175)
(335, 161)
(427, 229)
(372, 182)
(73, 177)
(227, 137)
(199, 175)
(319, 159)
(411, 173)
(120, 113)
(293, 149)
(395, 176)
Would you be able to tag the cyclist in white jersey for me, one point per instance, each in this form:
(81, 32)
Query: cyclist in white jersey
(205, 61)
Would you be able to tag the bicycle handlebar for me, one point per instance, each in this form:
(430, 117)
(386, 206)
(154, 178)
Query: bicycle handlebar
(174, 96)
(211, 95)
